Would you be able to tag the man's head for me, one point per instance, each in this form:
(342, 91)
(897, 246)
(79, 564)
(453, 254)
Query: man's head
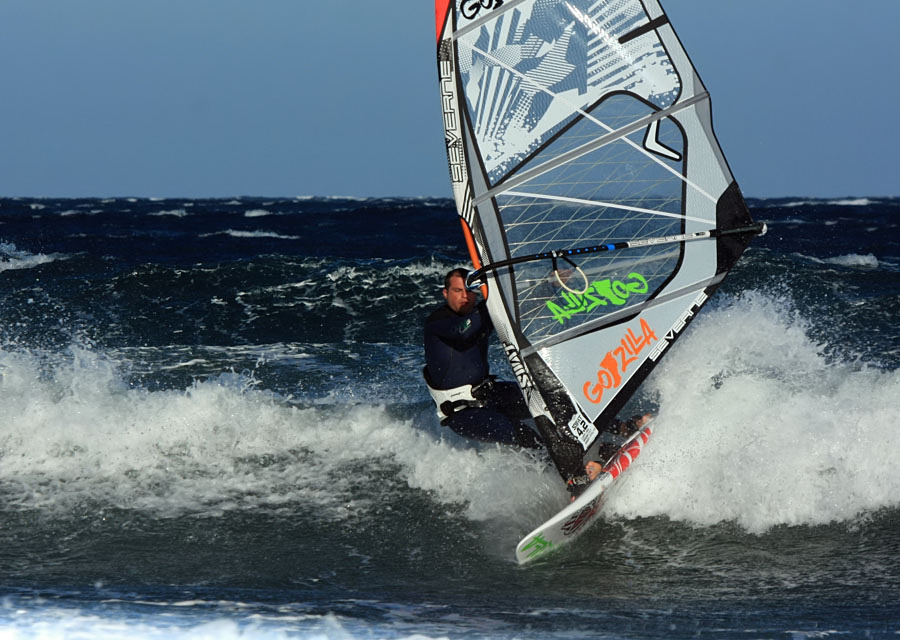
(458, 298)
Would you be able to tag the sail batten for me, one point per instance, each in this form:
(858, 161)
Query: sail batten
(601, 203)
(598, 207)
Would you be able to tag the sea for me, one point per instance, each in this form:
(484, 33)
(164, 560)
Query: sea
(213, 425)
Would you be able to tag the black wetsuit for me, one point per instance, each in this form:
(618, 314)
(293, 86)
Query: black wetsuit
(456, 355)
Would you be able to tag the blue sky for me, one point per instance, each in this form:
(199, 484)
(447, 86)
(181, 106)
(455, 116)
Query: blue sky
(340, 97)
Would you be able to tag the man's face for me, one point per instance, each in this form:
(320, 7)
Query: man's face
(458, 298)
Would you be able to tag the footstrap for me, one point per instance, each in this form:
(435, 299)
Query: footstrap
(577, 485)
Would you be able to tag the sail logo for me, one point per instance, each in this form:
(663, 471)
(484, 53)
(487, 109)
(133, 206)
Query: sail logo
(471, 8)
(537, 545)
(680, 324)
(617, 361)
(518, 367)
(453, 140)
(600, 294)
(580, 519)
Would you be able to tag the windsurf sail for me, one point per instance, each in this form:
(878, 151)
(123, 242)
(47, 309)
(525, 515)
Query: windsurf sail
(598, 209)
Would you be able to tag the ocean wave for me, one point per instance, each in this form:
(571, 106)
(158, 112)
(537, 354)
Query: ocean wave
(818, 202)
(854, 260)
(76, 434)
(12, 258)
(80, 212)
(177, 213)
(851, 202)
(765, 430)
(236, 233)
(26, 617)
(763, 408)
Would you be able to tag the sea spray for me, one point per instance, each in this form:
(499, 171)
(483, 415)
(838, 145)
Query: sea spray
(758, 427)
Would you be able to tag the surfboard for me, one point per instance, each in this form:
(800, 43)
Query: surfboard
(579, 515)
(596, 204)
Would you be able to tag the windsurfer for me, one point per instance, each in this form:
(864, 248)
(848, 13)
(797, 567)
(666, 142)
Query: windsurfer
(469, 400)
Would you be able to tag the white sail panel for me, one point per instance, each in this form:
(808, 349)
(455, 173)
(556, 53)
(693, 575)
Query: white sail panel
(534, 67)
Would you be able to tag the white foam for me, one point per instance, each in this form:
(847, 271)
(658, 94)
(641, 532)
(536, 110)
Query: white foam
(12, 258)
(868, 261)
(76, 432)
(182, 621)
(840, 202)
(757, 427)
(176, 213)
(854, 260)
(236, 233)
(851, 202)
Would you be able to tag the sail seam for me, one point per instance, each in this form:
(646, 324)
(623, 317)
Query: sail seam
(600, 203)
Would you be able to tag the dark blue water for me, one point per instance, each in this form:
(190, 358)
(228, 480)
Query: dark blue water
(212, 425)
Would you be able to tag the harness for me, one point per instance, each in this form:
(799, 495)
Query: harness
(468, 396)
